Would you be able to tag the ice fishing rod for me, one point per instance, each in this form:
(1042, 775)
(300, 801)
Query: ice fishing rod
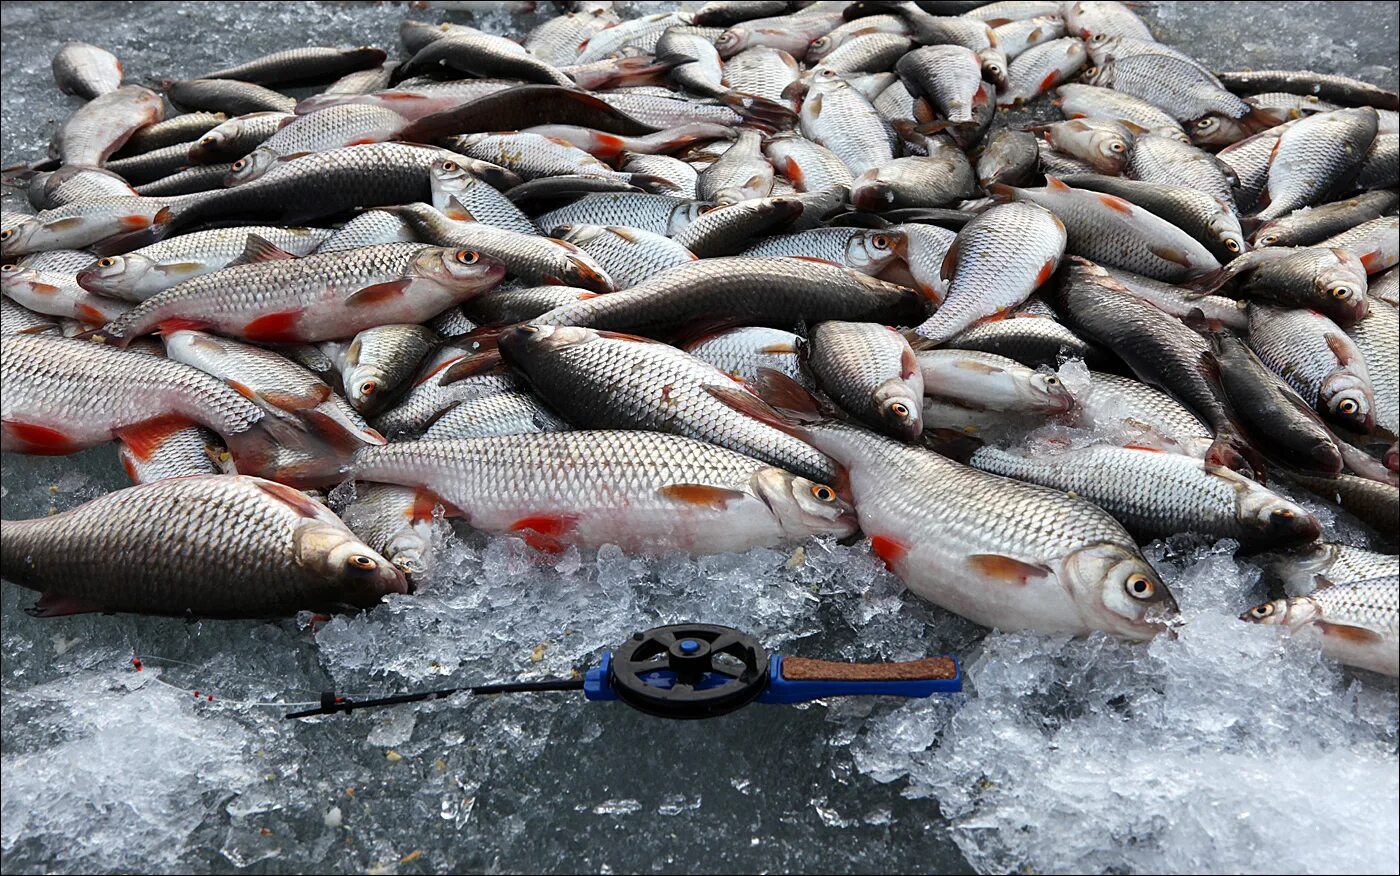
(688, 671)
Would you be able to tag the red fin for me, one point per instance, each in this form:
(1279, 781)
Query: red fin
(242, 389)
(1047, 270)
(274, 327)
(294, 499)
(424, 506)
(335, 433)
(793, 172)
(38, 440)
(1359, 635)
(144, 439)
(455, 210)
(545, 532)
(379, 293)
(717, 498)
(54, 605)
(1373, 261)
(288, 401)
(1116, 204)
(1050, 81)
(135, 221)
(950, 261)
(1143, 447)
(891, 550)
(90, 315)
(1055, 184)
(180, 324)
(1004, 568)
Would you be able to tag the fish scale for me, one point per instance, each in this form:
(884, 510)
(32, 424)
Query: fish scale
(189, 451)
(855, 248)
(557, 40)
(506, 413)
(839, 117)
(1313, 155)
(1156, 494)
(1378, 338)
(1359, 622)
(1177, 86)
(606, 381)
(659, 214)
(380, 359)
(203, 543)
(1303, 348)
(740, 174)
(316, 132)
(742, 351)
(763, 72)
(629, 255)
(370, 228)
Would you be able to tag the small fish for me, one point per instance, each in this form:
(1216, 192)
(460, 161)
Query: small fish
(837, 116)
(862, 250)
(233, 138)
(1009, 158)
(180, 453)
(103, 124)
(870, 371)
(395, 522)
(1377, 337)
(1327, 86)
(1326, 279)
(915, 181)
(331, 128)
(740, 174)
(1313, 154)
(628, 255)
(57, 294)
(505, 413)
(1359, 623)
(1037, 70)
(741, 352)
(209, 546)
(1307, 227)
(228, 96)
(1318, 360)
(1105, 145)
(302, 65)
(988, 382)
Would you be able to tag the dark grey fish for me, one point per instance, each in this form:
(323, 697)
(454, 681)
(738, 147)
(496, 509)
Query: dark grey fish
(302, 65)
(227, 96)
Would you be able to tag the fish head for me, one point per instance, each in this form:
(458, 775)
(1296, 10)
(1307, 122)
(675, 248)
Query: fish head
(364, 384)
(449, 177)
(1120, 590)
(351, 571)
(18, 236)
(870, 251)
(732, 42)
(1341, 281)
(215, 141)
(1273, 520)
(901, 408)
(1216, 130)
(250, 166)
(14, 276)
(114, 275)
(1225, 225)
(682, 215)
(995, 67)
(526, 342)
(1349, 401)
(457, 268)
(820, 48)
(1291, 612)
(1047, 393)
(1112, 150)
(804, 508)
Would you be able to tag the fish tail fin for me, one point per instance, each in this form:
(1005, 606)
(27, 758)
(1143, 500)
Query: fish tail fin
(474, 365)
(294, 453)
(955, 445)
(1232, 450)
(760, 112)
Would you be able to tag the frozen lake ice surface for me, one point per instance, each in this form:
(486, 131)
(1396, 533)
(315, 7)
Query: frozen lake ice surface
(1225, 749)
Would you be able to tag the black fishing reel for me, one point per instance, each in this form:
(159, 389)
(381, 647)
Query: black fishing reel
(688, 671)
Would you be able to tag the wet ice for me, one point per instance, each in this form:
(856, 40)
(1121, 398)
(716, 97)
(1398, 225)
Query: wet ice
(1230, 747)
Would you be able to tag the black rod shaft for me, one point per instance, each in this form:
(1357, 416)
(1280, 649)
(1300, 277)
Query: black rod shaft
(330, 703)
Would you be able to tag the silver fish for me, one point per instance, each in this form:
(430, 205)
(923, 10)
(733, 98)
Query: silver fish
(182, 452)
(1318, 360)
(1312, 155)
(628, 255)
(839, 117)
(809, 166)
(331, 128)
(870, 371)
(1037, 70)
(1358, 623)
(506, 413)
(86, 70)
(741, 352)
(988, 382)
(103, 124)
(859, 249)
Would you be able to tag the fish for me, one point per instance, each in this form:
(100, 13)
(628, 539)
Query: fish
(871, 372)
(1177, 85)
(1158, 348)
(1042, 68)
(559, 41)
(302, 65)
(605, 380)
(1376, 242)
(452, 177)
(86, 70)
(1317, 358)
(64, 395)
(318, 298)
(1003, 554)
(610, 147)
(429, 397)
(744, 290)
(509, 304)
(1303, 569)
(505, 413)
(278, 385)
(377, 362)
(228, 96)
(1009, 158)
(151, 166)
(741, 352)
(988, 382)
(1088, 19)
(235, 137)
(1326, 279)
(142, 273)
(1375, 503)
(1377, 338)
(791, 33)
(183, 128)
(723, 231)
(646, 492)
(483, 55)
(681, 178)
(1140, 415)
(414, 101)
(1156, 494)
(866, 251)
(949, 76)
(837, 116)
(1168, 161)
(365, 81)
(1105, 145)
(103, 124)
(68, 185)
(81, 224)
(915, 181)
(872, 52)
(351, 125)
(1307, 227)
(201, 542)
(1077, 100)
(1357, 624)
(1181, 301)
(181, 453)
(1312, 155)
(660, 214)
(370, 228)
(983, 279)
(395, 522)
(1275, 416)
(57, 294)
(1107, 228)
(763, 72)
(643, 32)
(721, 13)
(628, 255)
(1343, 90)
(740, 174)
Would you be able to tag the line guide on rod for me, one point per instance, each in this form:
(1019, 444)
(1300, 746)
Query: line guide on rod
(687, 671)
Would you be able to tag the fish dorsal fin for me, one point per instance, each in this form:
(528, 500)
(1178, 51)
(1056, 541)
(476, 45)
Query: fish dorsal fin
(259, 249)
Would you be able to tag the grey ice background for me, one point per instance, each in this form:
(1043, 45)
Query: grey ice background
(1227, 749)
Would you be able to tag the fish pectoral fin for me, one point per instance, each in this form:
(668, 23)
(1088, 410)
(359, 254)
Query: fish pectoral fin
(702, 495)
(54, 605)
(1172, 254)
(546, 532)
(37, 439)
(379, 293)
(292, 498)
(1007, 569)
(889, 549)
(1359, 635)
(274, 327)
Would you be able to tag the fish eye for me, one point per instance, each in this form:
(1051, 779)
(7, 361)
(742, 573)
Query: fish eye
(1052, 380)
(1262, 611)
(467, 257)
(9, 268)
(368, 387)
(821, 42)
(1203, 124)
(1117, 146)
(1099, 38)
(1141, 587)
(900, 409)
(1268, 240)
(449, 166)
(360, 561)
(106, 263)
(880, 241)
(1340, 292)
(1232, 245)
(1091, 71)
(1348, 407)
(7, 234)
(823, 493)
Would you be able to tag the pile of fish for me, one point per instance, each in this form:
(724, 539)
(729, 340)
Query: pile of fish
(708, 281)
